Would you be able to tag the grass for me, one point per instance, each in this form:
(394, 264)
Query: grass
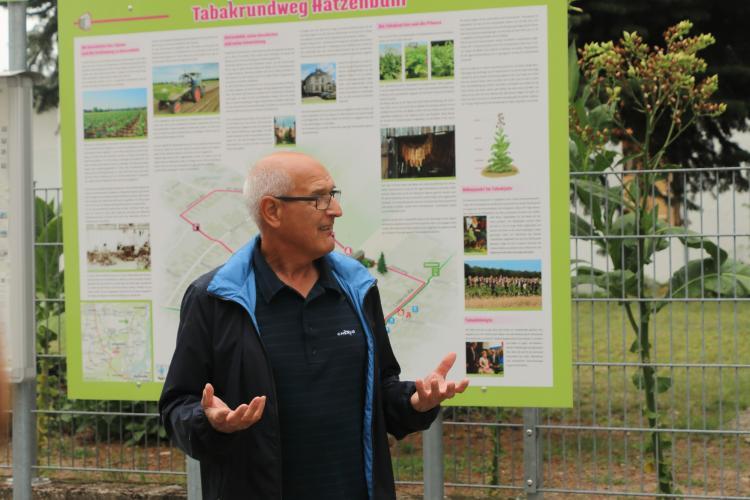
(475, 251)
(703, 336)
(520, 303)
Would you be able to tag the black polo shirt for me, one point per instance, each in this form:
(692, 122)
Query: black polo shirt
(317, 351)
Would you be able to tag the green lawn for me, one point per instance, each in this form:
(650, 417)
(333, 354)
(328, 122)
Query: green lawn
(702, 396)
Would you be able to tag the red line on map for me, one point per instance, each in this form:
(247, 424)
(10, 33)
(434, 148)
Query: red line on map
(197, 229)
(196, 225)
(396, 270)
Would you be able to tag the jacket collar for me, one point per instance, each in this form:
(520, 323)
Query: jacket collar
(235, 280)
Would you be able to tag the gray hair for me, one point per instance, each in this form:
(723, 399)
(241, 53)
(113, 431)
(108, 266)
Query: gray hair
(265, 178)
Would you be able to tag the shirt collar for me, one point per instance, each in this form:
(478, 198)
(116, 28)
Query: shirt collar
(269, 284)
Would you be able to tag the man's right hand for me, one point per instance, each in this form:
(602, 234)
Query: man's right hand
(224, 419)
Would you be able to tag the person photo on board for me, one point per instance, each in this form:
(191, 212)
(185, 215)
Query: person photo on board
(283, 383)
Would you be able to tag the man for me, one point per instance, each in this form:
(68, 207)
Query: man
(283, 383)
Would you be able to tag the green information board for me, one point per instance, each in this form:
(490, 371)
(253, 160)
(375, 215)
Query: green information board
(444, 124)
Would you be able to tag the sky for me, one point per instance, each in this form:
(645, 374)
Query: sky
(3, 39)
(4, 29)
(284, 121)
(115, 99)
(510, 265)
(390, 47)
(208, 71)
(329, 68)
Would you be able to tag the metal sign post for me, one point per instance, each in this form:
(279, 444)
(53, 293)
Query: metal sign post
(19, 94)
(432, 451)
(21, 282)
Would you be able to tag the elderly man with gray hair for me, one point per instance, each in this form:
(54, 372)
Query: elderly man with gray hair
(283, 383)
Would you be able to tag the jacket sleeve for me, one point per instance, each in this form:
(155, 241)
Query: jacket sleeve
(191, 368)
(401, 418)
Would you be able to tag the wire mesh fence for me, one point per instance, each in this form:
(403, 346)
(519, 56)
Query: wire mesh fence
(661, 361)
(693, 290)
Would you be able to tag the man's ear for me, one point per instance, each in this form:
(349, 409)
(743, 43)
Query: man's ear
(270, 211)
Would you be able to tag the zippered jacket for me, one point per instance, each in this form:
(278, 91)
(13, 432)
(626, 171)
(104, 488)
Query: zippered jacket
(218, 342)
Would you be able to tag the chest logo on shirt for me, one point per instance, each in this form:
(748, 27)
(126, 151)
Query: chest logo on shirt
(343, 333)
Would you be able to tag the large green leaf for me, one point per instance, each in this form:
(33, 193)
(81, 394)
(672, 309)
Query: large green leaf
(49, 278)
(574, 73)
(694, 240)
(600, 117)
(663, 384)
(580, 227)
(603, 160)
(703, 278)
(589, 188)
(619, 283)
(44, 211)
(622, 246)
(583, 279)
(652, 228)
(587, 271)
(573, 149)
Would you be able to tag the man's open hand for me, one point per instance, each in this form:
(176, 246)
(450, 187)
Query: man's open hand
(434, 389)
(224, 419)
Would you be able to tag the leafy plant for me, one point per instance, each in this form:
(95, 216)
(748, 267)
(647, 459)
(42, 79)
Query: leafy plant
(416, 60)
(442, 59)
(50, 307)
(390, 65)
(500, 161)
(664, 88)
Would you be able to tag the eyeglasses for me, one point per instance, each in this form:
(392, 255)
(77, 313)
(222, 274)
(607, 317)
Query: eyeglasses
(322, 201)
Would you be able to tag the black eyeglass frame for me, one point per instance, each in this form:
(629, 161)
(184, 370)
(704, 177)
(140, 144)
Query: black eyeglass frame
(334, 194)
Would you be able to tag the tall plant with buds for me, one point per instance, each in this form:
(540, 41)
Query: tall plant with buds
(661, 87)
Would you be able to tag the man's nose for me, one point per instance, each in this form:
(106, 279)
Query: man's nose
(334, 208)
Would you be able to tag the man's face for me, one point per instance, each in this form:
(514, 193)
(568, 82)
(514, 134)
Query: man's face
(303, 225)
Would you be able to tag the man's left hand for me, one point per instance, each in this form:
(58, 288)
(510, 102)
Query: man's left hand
(434, 389)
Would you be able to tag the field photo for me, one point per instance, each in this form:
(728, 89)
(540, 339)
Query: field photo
(441, 59)
(475, 234)
(418, 152)
(284, 130)
(390, 62)
(503, 285)
(186, 89)
(118, 247)
(485, 358)
(415, 57)
(115, 114)
(318, 83)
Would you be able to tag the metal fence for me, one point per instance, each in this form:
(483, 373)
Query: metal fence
(600, 447)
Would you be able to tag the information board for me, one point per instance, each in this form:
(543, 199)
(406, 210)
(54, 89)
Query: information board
(445, 129)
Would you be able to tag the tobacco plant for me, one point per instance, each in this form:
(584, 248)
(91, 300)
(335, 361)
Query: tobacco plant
(662, 87)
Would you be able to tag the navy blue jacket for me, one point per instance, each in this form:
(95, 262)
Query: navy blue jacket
(218, 342)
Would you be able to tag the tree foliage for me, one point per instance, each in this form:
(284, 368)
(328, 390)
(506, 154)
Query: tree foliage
(710, 143)
(668, 90)
(382, 268)
(42, 52)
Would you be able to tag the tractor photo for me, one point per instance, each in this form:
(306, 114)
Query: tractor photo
(189, 88)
